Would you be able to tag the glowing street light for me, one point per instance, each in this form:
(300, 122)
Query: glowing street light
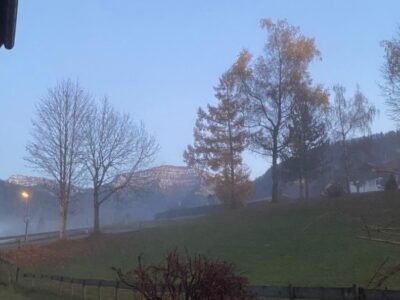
(25, 198)
(25, 195)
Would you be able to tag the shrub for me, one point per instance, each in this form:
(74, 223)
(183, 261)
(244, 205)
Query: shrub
(194, 278)
(391, 184)
(333, 190)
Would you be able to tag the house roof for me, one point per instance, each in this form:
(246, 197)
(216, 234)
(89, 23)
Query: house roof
(8, 21)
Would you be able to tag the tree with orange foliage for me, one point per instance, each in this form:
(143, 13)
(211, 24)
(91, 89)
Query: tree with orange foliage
(270, 85)
(219, 140)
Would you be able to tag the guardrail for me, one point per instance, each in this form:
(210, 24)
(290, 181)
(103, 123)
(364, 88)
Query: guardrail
(16, 240)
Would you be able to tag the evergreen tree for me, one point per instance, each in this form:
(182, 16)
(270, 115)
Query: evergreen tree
(307, 136)
(219, 140)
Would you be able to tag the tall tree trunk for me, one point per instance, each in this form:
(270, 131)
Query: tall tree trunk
(96, 211)
(301, 187)
(307, 186)
(63, 220)
(306, 173)
(346, 167)
(234, 200)
(347, 177)
(275, 175)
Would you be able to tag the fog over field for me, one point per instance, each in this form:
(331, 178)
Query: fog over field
(162, 188)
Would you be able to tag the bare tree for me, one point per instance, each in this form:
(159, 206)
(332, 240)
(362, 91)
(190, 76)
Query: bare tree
(270, 86)
(391, 76)
(57, 140)
(219, 140)
(350, 116)
(115, 148)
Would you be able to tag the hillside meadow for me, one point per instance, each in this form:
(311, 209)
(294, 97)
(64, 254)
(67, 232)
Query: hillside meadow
(311, 243)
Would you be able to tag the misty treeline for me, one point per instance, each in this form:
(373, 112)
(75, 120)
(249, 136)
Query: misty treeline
(76, 140)
(270, 105)
(364, 155)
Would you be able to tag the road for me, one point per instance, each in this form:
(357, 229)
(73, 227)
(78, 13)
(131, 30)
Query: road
(43, 238)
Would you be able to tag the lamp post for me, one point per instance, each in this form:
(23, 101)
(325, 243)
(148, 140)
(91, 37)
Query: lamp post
(25, 199)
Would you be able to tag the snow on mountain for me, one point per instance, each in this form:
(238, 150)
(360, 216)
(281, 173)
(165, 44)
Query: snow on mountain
(176, 185)
(165, 179)
(29, 181)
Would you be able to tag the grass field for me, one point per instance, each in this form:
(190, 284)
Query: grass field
(27, 294)
(313, 243)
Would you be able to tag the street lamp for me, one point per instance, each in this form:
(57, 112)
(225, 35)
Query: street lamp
(25, 199)
(25, 195)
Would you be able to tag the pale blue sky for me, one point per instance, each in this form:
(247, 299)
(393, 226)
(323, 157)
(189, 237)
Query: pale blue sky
(158, 60)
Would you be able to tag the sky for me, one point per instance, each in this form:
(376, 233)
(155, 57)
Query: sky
(159, 60)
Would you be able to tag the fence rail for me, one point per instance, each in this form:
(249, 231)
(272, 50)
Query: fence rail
(277, 292)
(15, 275)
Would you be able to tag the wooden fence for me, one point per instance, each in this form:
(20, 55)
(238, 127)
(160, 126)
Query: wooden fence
(78, 288)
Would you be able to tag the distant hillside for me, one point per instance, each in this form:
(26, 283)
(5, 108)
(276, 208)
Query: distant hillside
(262, 186)
(177, 186)
(376, 149)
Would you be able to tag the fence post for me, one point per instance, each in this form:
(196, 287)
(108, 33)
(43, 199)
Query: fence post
(291, 292)
(116, 290)
(361, 293)
(17, 276)
(33, 281)
(135, 296)
(9, 276)
(72, 288)
(99, 290)
(60, 285)
(355, 292)
(84, 290)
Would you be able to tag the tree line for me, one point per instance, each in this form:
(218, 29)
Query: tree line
(270, 105)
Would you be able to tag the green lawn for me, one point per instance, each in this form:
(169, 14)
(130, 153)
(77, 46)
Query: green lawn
(6, 293)
(27, 294)
(312, 243)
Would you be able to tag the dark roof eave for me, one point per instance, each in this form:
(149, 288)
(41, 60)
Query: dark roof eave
(8, 21)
